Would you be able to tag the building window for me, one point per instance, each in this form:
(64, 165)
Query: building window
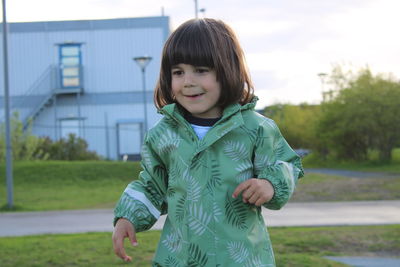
(70, 65)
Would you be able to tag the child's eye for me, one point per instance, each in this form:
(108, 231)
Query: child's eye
(177, 72)
(202, 70)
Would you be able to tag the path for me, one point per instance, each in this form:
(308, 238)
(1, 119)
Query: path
(293, 214)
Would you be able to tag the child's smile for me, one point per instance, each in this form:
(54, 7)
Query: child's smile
(195, 96)
(196, 88)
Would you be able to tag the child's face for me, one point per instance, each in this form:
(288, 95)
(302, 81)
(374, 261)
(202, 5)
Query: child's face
(197, 90)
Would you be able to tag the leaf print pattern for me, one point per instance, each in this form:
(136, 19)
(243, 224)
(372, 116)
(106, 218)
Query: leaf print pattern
(236, 211)
(245, 171)
(216, 212)
(198, 219)
(196, 257)
(215, 179)
(153, 195)
(260, 142)
(235, 150)
(279, 149)
(261, 162)
(269, 122)
(193, 190)
(169, 141)
(146, 157)
(237, 251)
(180, 209)
(198, 162)
(282, 194)
(186, 175)
(175, 171)
(171, 262)
(171, 192)
(256, 261)
(173, 241)
(135, 211)
(252, 133)
(288, 172)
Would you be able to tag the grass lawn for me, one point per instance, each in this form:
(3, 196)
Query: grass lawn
(373, 165)
(61, 185)
(322, 187)
(64, 185)
(296, 246)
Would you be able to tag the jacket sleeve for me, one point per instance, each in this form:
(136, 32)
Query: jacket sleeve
(143, 200)
(276, 161)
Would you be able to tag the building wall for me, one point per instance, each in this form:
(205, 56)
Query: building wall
(112, 90)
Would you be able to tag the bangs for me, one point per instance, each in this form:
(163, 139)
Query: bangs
(193, 47)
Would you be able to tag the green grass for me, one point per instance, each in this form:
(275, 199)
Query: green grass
(372, 165)
(296, 246)
(321, 187)
(62, 185)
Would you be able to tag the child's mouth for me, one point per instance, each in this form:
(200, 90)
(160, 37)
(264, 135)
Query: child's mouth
(194, 96)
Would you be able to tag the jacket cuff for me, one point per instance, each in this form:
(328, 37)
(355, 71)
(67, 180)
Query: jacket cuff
(281, 194)
(134, 211)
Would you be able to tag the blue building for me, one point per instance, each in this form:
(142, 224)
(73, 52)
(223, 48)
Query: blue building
(80, 77)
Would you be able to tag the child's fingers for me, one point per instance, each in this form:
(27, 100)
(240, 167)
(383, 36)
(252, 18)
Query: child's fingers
(132, 237)
(119, 250)
(259, 202)
(254, 198)
(248, 194)
(123, 229)
(240, 188)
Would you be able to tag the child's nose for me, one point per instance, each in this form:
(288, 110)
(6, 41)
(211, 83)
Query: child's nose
(189, 80)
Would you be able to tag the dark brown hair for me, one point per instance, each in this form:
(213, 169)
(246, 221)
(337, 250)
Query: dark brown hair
(209, 43)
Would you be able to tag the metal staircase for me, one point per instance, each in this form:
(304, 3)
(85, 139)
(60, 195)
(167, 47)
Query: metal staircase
(40, 95)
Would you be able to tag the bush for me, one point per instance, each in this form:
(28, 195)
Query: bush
(71, 148)
(25, 146)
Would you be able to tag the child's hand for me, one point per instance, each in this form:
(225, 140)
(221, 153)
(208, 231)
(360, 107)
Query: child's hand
(255, 191)
(123, 228)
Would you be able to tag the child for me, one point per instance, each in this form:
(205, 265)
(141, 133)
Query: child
(211, 162)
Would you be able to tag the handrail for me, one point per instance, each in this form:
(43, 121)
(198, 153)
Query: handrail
(40, 93)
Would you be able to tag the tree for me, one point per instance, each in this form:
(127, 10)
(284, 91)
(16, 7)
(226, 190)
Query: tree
(296, 122)
(363, 112)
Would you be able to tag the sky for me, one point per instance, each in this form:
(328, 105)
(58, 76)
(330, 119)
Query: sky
(286, 43)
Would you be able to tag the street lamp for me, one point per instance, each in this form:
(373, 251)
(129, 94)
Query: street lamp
(142, 63)
(322, 76)
(203, 10)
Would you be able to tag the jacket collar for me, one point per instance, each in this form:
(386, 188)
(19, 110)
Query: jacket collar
(231, 119)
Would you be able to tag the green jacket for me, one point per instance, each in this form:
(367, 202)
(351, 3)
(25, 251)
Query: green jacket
(192, 181)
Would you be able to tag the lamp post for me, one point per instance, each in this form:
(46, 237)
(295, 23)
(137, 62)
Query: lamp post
(9, 167)
(142, 63)
(322, 76)
(196, 9)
